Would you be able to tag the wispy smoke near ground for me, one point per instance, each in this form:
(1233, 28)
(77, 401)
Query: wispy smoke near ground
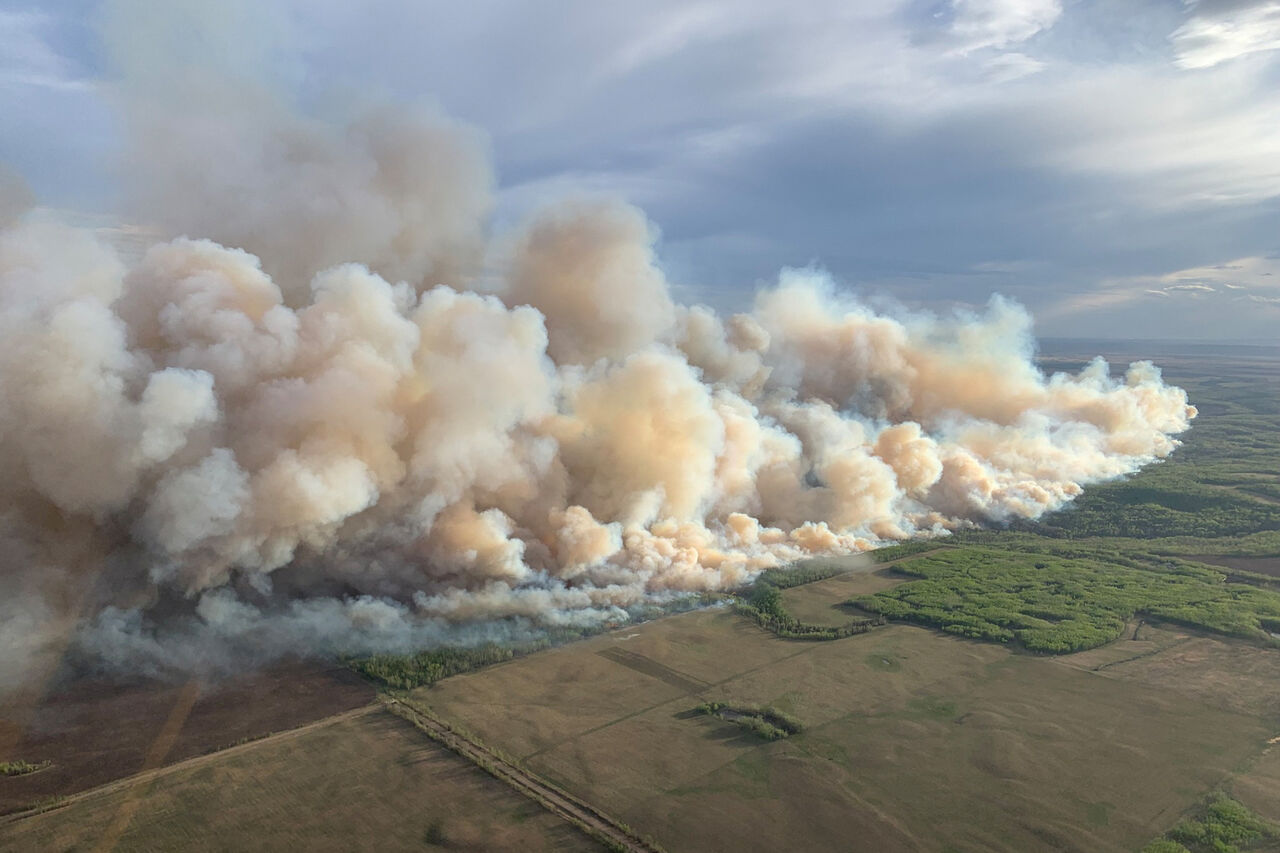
(355, 420)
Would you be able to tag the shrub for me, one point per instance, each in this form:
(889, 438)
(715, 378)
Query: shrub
(767, 723)
(21, 768)
(1222, 825)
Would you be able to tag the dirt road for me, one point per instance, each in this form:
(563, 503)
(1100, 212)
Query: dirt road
(562, 803)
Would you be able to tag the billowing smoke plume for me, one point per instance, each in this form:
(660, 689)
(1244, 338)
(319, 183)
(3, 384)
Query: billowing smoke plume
(381, 429)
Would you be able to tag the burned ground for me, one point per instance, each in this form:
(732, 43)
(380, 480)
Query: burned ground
(94, 731)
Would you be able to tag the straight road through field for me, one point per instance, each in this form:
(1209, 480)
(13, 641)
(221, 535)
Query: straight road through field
(562, 803)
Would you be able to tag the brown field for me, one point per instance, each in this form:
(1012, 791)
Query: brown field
(363, 782)
(1141, 639)
(1259, 786)
(94, 731)
(822, 602)
(913, 741)
(1261, 565)
(1234, 676)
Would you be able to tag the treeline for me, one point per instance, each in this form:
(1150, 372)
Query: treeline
(1223, 825)
(790, 628)
(404, 672)
(906, 549)
(424, 668)
(798, 574)
(1112, 515)
(764, 606)
(767, 723)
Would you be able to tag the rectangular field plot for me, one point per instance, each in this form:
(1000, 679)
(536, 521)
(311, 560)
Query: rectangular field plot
(822, 602)
(912, 741)
(370, 782)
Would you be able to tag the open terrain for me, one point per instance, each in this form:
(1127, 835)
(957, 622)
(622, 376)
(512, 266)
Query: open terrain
(912, 740)
(360, 781)
(92, 731)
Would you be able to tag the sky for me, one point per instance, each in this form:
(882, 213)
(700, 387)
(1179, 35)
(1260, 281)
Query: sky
(1113, 166)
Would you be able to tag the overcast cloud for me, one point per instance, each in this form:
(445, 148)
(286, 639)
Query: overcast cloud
(1115, 167)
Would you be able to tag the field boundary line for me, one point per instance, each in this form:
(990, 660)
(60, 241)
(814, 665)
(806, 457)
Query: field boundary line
(1147, 654)
(159, 751)
(591, 820)
(148, 776)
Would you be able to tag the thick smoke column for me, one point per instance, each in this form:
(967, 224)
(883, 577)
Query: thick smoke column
(382, 428)
(380, 462)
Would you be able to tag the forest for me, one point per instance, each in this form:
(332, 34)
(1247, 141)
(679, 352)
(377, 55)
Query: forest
(1049, 603)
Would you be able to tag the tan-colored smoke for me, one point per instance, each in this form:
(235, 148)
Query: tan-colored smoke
(377, 462)
(217, 149)
(333, 429)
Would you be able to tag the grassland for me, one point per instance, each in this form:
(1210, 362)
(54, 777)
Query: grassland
(367, 782)
(75, 725)
(912, 740)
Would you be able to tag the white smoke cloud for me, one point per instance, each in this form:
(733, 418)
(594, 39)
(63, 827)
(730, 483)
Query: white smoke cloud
(316, 434)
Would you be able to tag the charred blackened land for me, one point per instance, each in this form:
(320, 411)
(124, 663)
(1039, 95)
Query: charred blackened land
(651, 667)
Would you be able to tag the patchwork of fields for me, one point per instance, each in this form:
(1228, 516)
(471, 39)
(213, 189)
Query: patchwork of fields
(912, 740)
(360, 782)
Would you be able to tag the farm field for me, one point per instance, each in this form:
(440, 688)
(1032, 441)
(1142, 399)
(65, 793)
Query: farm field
(1258, 787)
(912, 741)
(364, 781)
(823, 602)
(94, 731)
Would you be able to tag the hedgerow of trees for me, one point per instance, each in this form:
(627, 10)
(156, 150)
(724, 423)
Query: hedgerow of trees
(426, 667)
(766, 723)
(763, 604)
(21, 768)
